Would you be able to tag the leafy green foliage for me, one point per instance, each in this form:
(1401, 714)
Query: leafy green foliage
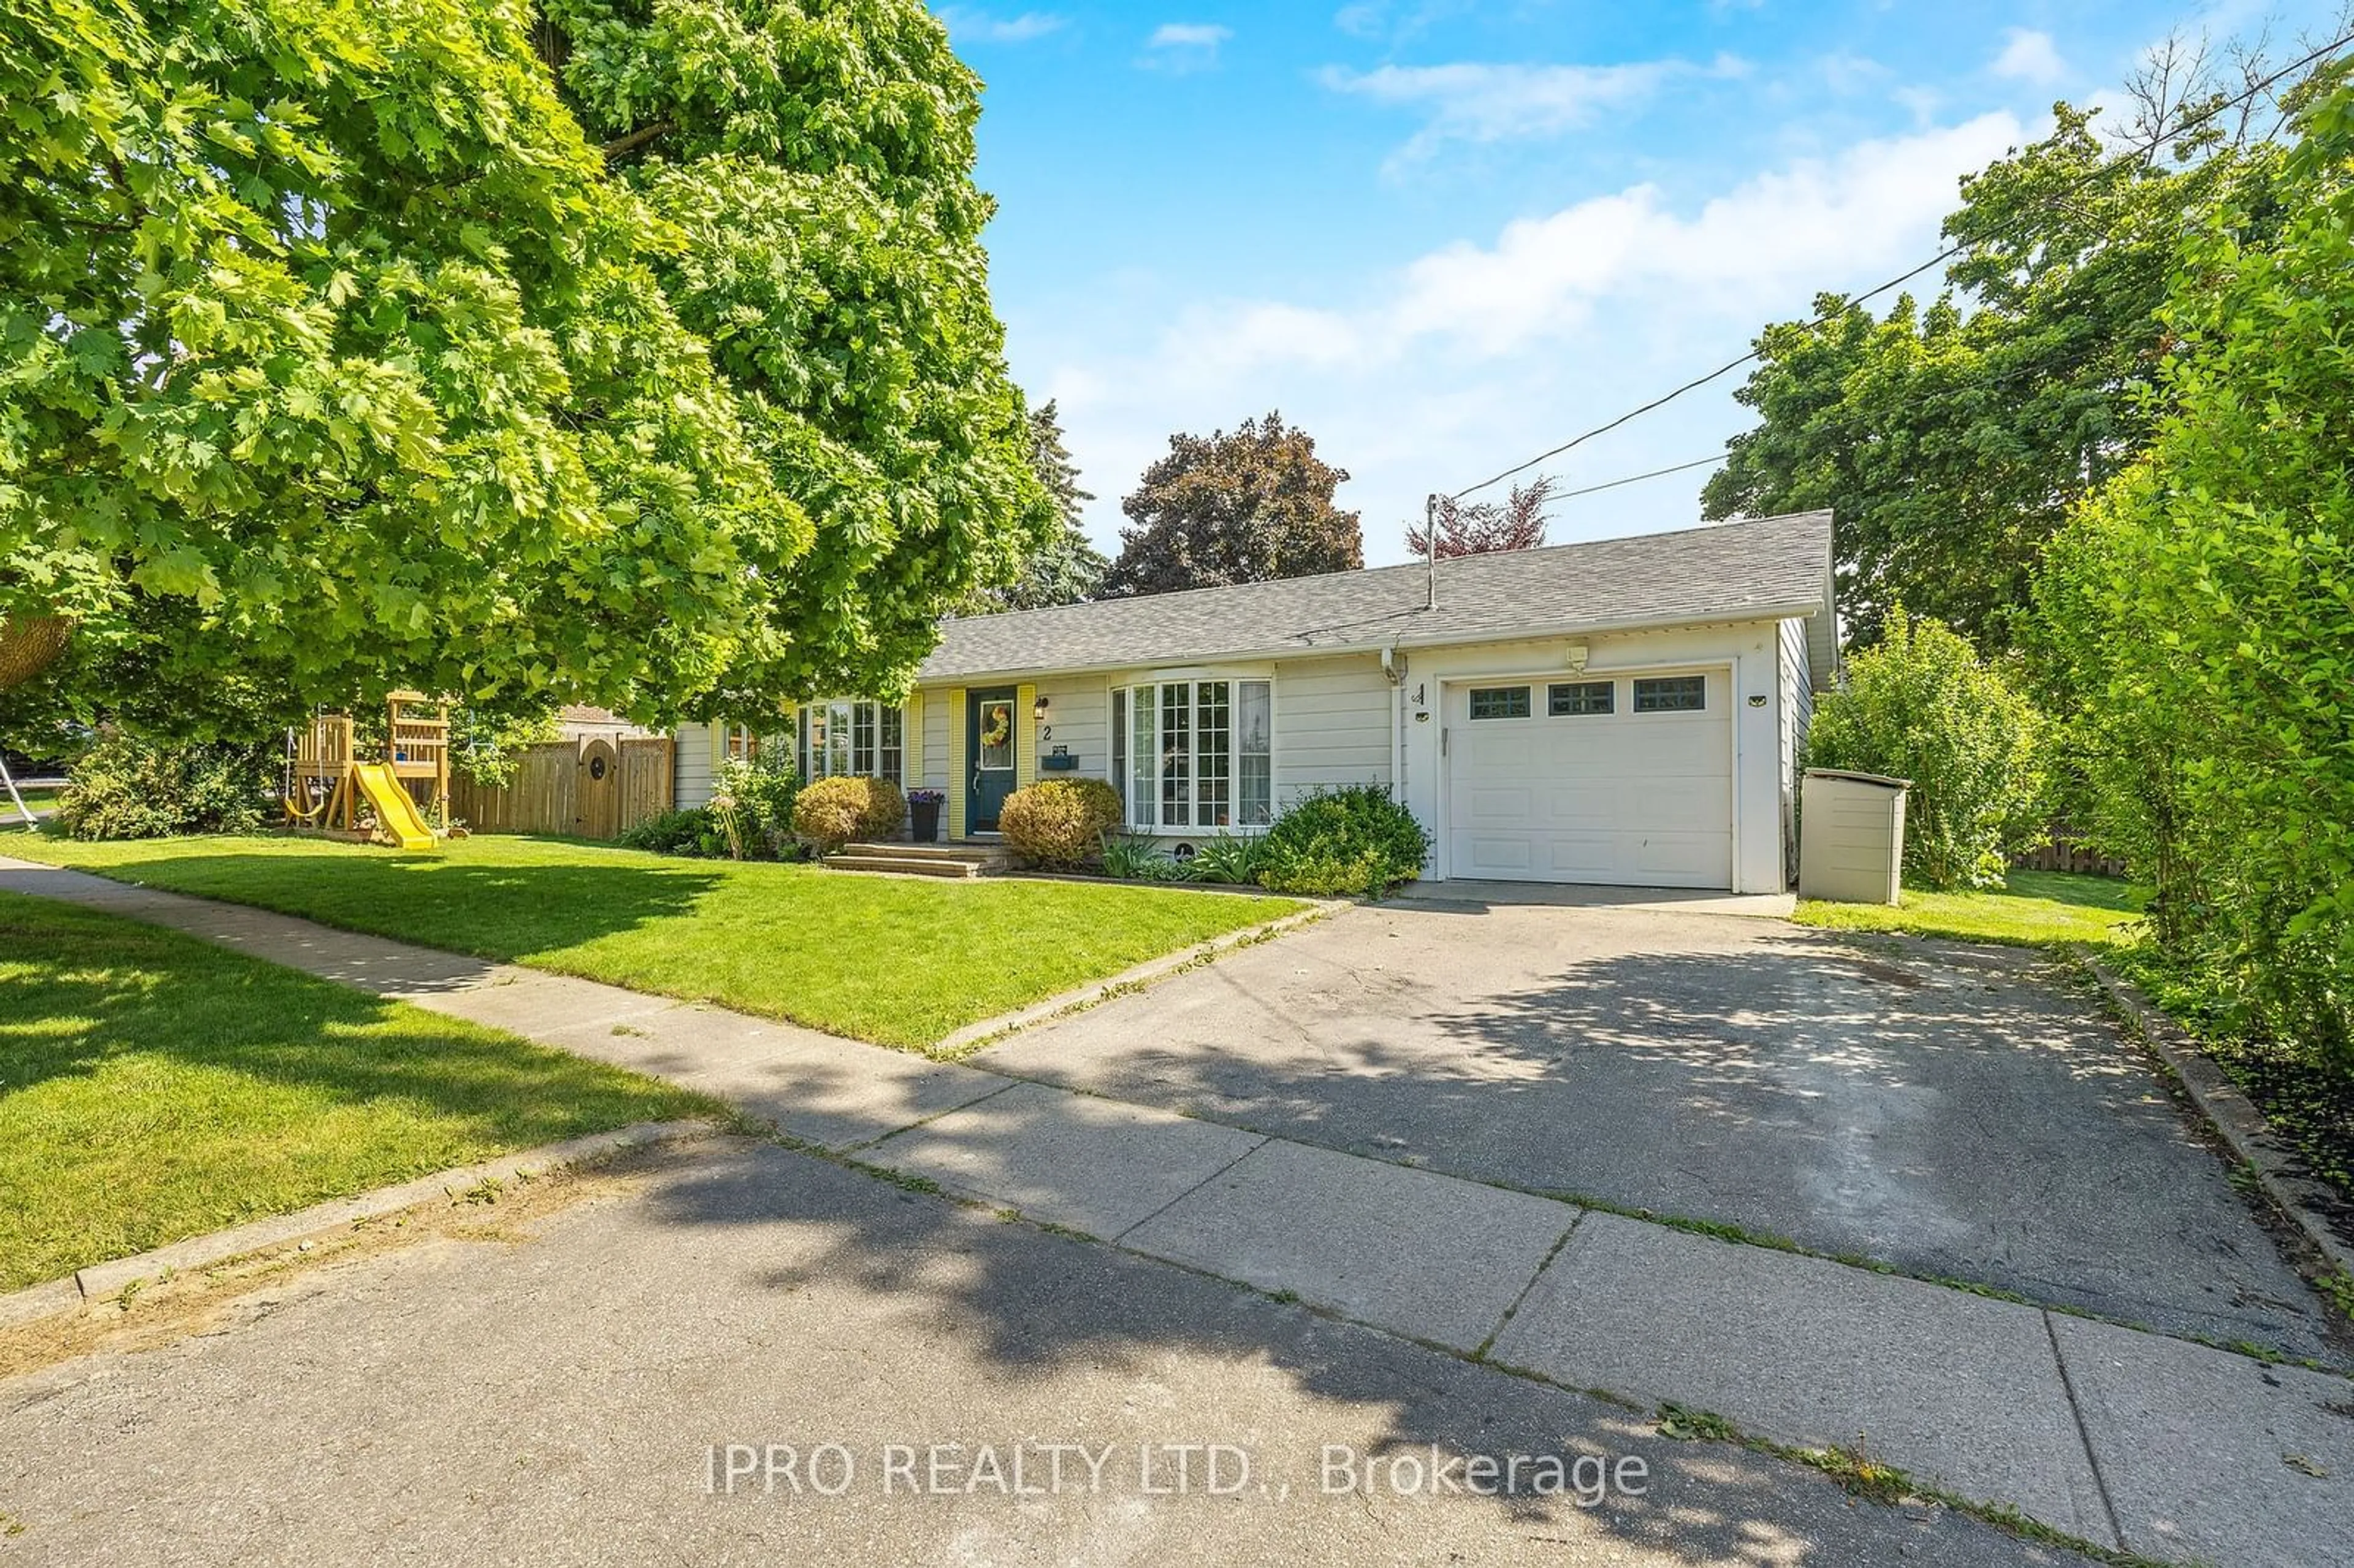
(1949, 446)
(1920, 706)
(762, 791)
(1359, 841)
(1250, 507)
(1059, 822)
(830, 812)
(1140, 860)
(335, 358)
(683, 833)
(1232, 859)
(126, 786)
(2197, 620)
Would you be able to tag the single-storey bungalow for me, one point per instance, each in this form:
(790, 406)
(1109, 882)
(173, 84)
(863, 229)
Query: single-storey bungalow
(1625, 711)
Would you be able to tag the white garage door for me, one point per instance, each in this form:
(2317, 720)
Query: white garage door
(1624, 779)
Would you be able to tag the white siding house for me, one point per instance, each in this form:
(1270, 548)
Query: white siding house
(1626, 711)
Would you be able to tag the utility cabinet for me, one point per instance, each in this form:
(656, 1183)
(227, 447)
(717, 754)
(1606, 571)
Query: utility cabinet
(1851, 836)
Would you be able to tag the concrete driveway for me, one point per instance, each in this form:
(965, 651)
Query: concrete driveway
(1961, 1112)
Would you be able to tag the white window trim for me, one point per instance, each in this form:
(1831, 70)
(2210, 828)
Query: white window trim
(1123, 778)
(806, 755)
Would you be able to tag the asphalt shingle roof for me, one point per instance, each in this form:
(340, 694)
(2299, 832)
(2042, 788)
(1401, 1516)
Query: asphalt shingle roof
(1764, 567)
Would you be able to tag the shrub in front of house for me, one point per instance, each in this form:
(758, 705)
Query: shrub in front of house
(1920, 705)
(671, 833)
(1230, 859)
(1140, 860)
(830, 812)
(1357, 842)
(1059, 822)
(127, 787)
(763, 790)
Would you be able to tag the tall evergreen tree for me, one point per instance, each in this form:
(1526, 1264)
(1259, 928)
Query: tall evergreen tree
(1067, 569)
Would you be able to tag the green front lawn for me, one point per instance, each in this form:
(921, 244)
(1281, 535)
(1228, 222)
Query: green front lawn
(900, 961)
(154, 1087)
(34, 801)
(2034, 909)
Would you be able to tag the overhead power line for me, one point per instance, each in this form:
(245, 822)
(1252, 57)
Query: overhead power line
(2098, 171)
(1709, 462)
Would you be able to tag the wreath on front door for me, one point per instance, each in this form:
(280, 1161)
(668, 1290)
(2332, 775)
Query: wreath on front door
(996, 725)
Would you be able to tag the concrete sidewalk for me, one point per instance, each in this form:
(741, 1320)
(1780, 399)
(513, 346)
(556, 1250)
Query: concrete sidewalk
(2159, 1446)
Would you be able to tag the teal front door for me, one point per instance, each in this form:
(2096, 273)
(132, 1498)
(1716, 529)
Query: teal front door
(988, 722)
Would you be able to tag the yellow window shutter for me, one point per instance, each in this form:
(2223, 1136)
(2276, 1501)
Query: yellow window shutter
(956, 762)
(785, 736)
(1026, 738)
(911, 741)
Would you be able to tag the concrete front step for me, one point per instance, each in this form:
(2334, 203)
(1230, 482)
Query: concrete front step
(905, 864)
(986, 856)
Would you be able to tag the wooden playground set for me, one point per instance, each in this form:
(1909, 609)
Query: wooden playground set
(589, 785)
(406, 791)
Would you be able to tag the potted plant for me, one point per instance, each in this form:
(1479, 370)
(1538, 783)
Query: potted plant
(923, 815)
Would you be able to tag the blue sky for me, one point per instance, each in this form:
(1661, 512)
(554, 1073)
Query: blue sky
(1445, 235)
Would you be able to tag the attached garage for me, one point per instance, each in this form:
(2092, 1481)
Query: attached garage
(1621, 779)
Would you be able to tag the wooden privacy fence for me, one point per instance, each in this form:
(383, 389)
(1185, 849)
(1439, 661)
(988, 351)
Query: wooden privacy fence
(590, 789)
(2060, 852)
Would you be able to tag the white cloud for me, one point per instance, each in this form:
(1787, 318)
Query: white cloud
(2030, 57)
(1379, 19)
(1477, 353)
(1181, 47)
(1485, 103)
(971, 25)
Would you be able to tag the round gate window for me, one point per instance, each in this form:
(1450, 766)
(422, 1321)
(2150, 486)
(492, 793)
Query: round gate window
(596, 768)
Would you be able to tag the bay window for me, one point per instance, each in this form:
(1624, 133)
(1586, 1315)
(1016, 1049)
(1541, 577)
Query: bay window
(1189, 755)
(847, 738)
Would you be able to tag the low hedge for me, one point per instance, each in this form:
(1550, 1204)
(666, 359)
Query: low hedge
(832, 813)
(1357, 841)
(1059, 822)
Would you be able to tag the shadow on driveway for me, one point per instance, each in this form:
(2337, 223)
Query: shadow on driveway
(1959, 1112)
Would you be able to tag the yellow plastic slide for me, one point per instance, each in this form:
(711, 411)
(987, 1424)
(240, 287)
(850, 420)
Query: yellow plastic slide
(394, 809)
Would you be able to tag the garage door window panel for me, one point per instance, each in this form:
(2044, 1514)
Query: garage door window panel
(1581, 699)
(1500, 702)
(1672, 695)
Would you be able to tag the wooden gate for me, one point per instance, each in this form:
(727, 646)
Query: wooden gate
(646, 780)
(584, 788)
(598, 791)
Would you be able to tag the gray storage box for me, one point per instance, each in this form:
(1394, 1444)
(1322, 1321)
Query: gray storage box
(1851, 836)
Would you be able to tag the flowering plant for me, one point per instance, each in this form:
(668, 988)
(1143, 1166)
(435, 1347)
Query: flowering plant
(926, 797)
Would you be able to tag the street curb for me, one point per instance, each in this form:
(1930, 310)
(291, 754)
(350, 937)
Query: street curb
(964, 1042)
(110, 1277)
(2300, 1199)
